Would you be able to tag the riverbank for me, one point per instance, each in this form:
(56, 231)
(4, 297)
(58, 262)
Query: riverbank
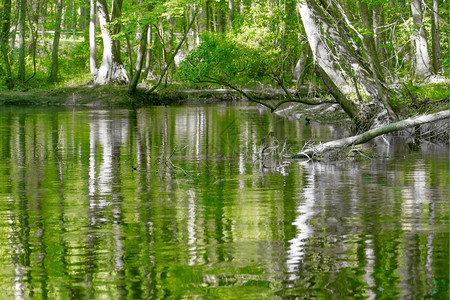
(117, 96)
(430, 98)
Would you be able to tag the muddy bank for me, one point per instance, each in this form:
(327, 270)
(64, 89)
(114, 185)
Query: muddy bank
(112, 96)
(117, 96)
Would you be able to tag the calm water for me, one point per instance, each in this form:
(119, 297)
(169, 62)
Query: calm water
(176, 203)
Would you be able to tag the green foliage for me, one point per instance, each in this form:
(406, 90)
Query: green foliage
(436, 91)
(217, 60)
(257, 50)
(268, 32)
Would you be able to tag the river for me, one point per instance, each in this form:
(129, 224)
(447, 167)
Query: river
(178, 202)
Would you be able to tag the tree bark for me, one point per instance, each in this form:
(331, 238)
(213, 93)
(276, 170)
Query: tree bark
(371, 134)
(54, 72)
(219, 13)
(376, 111)
(92, 40)
(320, 53)
(299, 71)
(435, 44)
(12, 41)
(139, 60)
(33, 21)
(347, 105)
(369, 40)
(422, 58)
(22, 16)
(379, 34)
(148, 53)
(4, 40)
(130, 54)
(230, 13)
(208, 15)
(111, 68)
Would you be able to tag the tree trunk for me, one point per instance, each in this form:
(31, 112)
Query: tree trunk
(22, 16)
(139, 61)
(380, 35)
(220, 15)
(12, 42)
(301, 65)
(230, 13)
(208, 15)
(422, 58)
(34, 27)
(4, 40)
(312, 151)
(371, 113)
(196, 28)
(148, 53)
(92, 40)
(130, 54)
(369, 40)
(54, 72)
(241, 7)
(115, 14)
(435, 44)
(320, 53)
(111, 68)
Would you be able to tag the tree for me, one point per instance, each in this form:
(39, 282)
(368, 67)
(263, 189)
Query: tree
(54, 72)
(422, 58)
(4, 38)
(169, 61)
(139, 60)
(22, 17)
(372, 94)
(33, 21)
(92, 39)
(435, 41)
(111, 68)
(314, 151)
(322, 56)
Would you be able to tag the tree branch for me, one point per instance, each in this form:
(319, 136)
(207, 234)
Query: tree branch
(370, 134)
(169, 63)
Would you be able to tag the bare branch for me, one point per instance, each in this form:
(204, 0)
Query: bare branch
(371, 134)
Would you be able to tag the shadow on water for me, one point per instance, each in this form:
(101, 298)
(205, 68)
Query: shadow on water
(172, 202)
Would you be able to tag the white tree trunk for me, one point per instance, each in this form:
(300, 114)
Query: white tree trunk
(422, 58)
(320, 53)
(92, 40)
(111, 68)
(373, 113)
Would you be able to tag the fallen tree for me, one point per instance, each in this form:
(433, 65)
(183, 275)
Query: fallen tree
(316, 150)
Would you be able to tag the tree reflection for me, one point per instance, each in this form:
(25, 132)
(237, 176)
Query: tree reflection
(91, 210)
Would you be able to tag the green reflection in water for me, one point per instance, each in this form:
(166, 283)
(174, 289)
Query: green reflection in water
(176, 203)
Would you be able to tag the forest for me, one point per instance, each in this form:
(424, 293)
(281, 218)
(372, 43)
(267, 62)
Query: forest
(382, 61)
(224, 149)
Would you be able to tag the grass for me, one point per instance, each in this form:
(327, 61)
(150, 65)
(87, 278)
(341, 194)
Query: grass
(435, 91)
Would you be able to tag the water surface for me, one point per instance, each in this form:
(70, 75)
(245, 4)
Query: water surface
(177, 202)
